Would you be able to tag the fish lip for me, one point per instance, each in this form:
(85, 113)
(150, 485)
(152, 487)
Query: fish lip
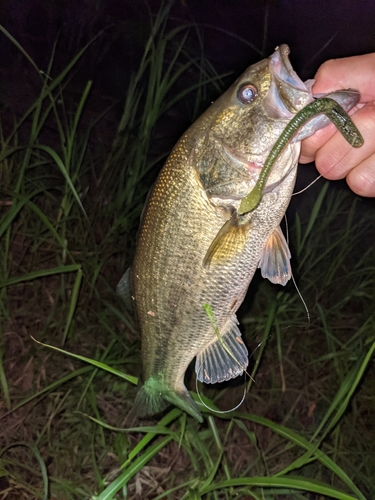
(281, 67)
(296, 81)
(288, 94)
(294, 94)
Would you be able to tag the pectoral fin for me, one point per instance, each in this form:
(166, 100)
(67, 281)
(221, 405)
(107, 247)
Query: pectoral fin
(229, 241)
(275, 261)
(224, 359)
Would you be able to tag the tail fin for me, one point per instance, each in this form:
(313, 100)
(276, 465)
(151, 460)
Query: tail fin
(155, 395)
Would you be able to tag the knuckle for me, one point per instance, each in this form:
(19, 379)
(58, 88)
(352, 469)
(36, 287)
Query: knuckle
(326, 69)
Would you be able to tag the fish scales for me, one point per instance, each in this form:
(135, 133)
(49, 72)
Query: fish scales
(193, 250)
(188, 213)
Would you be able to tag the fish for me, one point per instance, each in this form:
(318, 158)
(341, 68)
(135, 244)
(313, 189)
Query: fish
(193, 246)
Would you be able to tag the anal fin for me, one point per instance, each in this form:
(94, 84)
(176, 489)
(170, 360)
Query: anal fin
(224, 359)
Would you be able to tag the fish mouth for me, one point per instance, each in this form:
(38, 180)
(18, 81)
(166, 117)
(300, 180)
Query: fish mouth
(297, 94)
(288, 94)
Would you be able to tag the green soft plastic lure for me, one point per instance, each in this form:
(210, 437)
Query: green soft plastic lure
(324, 105)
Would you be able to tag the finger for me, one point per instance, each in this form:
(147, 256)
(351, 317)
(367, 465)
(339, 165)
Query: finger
(361, 179)
(311, 145)
(349, 72)
(337, 158)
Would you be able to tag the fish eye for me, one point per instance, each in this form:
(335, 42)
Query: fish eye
(247, 93)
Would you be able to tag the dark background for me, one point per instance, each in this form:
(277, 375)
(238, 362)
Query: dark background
(231, 35)
(234, 33)
(316, 30)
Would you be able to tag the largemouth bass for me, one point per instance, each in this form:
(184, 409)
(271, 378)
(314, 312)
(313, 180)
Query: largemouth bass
(194, 248)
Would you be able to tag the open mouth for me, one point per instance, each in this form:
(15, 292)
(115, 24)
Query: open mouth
(288, 94)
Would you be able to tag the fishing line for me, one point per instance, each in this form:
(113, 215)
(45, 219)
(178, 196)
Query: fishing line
(291, 272)
(287, 237)
(211, 317)
(319, 176)
(220, 411)
(308, 186)
(256, 348)
(302, 299)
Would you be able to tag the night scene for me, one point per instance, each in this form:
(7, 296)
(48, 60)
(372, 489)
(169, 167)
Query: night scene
(187, 258)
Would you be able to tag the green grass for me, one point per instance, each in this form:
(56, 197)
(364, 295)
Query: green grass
(69, 212)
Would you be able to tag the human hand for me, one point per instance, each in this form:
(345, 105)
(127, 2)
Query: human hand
(334, 157)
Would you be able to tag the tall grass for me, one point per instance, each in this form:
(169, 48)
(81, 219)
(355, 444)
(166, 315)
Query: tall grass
(68, 218)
